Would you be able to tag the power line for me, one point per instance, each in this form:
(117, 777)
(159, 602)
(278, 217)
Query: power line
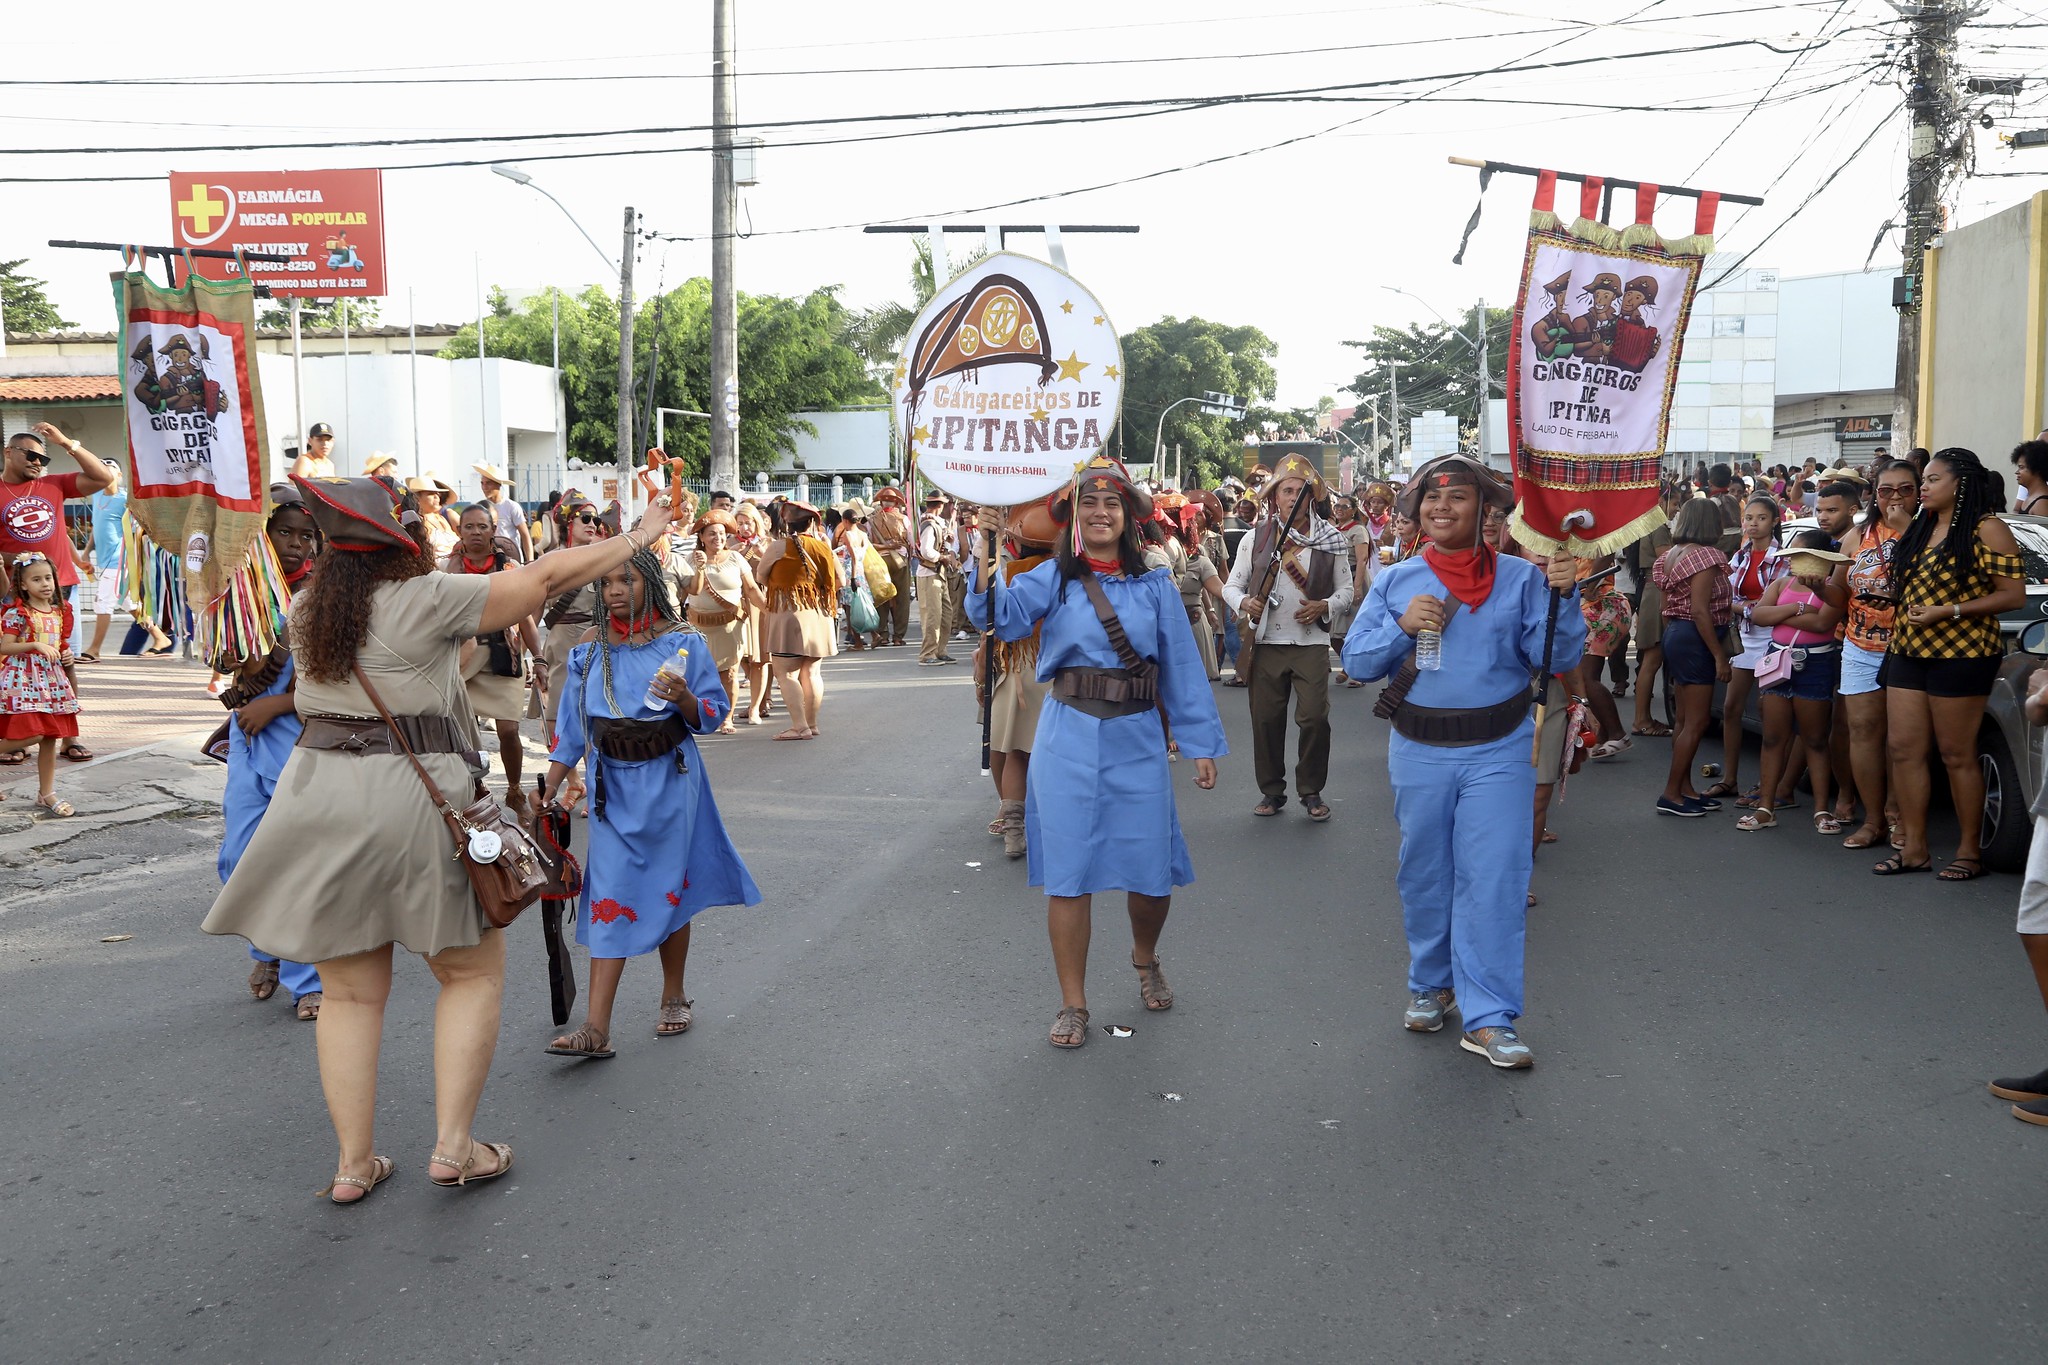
(1163, 104)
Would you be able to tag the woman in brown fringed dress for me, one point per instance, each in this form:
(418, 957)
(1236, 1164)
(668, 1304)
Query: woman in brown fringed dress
(752, 540)
(801, 577)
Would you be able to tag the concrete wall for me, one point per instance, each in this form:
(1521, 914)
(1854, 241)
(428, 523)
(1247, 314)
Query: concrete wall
(1981, 333)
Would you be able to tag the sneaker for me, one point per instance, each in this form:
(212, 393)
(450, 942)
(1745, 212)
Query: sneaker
(2035, 1111)
(1690, 810)
(2023, 1088)
(1426, 1011)
(1499, 1046)
(931, 663)
(945, 659)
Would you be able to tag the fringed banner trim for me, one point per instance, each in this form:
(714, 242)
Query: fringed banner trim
(1615, 540)
(244, 622)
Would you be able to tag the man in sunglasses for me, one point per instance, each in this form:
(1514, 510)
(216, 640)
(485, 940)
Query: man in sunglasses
(32, 510)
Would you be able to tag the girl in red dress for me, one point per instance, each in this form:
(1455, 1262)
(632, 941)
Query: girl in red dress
(37, 704)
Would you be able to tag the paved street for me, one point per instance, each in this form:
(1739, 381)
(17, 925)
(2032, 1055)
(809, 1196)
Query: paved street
(1757, 1128)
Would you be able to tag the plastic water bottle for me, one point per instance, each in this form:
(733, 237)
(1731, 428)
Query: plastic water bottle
(1429, 650)
(674, 669)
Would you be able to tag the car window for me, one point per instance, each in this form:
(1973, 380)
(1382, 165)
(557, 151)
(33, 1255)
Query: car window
(2033, 541)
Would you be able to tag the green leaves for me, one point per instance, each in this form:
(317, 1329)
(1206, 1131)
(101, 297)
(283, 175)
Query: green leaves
(26, 308)
(1177, 358)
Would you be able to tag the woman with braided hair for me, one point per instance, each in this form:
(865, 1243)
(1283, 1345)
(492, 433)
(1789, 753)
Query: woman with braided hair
(1956, 568)
(658, 850)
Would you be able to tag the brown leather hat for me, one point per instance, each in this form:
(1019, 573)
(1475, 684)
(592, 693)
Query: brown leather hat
(1032, 524)
(1101, 472)
(1453, 471)
(355, 514)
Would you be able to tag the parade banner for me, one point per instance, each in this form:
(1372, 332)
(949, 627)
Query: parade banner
(1592, 365)
(196, 451)
(329, 223)
(1009, 382)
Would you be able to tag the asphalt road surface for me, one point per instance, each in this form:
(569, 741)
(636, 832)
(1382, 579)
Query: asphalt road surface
(1757, 1128)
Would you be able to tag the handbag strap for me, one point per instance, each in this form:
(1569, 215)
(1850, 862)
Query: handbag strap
(440, 801)
(1111, 626)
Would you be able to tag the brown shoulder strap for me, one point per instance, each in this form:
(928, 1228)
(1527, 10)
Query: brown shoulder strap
(434, 792)
(1111, 626)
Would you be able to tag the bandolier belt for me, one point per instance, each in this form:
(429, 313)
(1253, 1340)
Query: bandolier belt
(369, 735)
(636, 741)
(1105, 693)
(1461, 727)
(711, 620)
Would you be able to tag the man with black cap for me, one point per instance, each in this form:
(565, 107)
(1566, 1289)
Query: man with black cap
(1290, 626)
(1459, 757)
(317, 462)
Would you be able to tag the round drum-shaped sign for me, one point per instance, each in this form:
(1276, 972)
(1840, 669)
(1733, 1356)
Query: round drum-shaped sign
(1009, 381)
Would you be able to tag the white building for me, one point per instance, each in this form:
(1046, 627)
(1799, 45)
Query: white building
(1723, 406)
(1839, 363)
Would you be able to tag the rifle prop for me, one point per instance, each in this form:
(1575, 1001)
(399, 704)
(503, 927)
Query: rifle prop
(1265, 593)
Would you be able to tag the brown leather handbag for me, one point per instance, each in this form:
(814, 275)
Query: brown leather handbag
(504, 865)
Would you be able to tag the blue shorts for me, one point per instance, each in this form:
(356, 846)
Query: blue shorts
(1687, 660)
(1859, 669)
(1813, 680)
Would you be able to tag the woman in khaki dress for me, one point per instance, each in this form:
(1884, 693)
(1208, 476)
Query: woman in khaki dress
(569, 615)
(495, 694)
(1029, 532)
(752, 541)
(722, 592)
(352, 831)
(800, 574)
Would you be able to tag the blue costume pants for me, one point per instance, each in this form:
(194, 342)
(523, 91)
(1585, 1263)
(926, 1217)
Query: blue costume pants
(247, 797)
(1464, 880)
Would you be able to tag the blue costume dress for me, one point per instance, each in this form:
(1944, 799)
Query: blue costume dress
(658, 851)
(1098, 806)
(254, 765)
(1467, 814)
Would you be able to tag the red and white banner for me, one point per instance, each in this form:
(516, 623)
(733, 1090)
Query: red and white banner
(1592, 366)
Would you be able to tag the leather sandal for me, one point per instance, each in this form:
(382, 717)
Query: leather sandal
(675, 1018)
(1069, 1027)
(263, 980)
(1315, 807)
(1270, 806)
(308, 1005)
(1152, 987)
(586, 1041)
(381, 1168)
(463, 1177)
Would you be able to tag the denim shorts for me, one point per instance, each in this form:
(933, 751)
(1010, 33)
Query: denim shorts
(1687, 660)
(1813, 680)
(1859, 669)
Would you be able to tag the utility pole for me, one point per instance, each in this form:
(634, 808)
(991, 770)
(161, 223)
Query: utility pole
(1935, 142)
(1485, 389)
(725, 364)
(626, 360)
(1394, 405)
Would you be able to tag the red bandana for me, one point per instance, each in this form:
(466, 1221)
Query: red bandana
(469, 565)
(1468, 576)
(294, 579)
(1103, 566)
(628, 626)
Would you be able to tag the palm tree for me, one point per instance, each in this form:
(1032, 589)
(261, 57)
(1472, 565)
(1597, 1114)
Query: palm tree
(877, 333)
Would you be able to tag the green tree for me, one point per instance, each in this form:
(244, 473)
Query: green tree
(1436, 367)
(877, 333)
(790, 360)
(24, 305)
(361, 314)
(1177, 358)
(590, 358)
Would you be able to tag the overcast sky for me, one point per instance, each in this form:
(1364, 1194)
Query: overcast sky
(1299, 240)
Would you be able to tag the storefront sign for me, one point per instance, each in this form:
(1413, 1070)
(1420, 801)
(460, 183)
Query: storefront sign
(1864, 428)
(330, 223)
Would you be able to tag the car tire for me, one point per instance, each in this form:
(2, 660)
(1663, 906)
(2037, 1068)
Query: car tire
(2008, 828)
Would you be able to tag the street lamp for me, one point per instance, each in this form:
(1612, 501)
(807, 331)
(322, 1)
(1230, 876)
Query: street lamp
(1213, 403)
(519, 177)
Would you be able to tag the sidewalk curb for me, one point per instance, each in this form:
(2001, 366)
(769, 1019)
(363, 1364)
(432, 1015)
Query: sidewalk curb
(109, 800)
